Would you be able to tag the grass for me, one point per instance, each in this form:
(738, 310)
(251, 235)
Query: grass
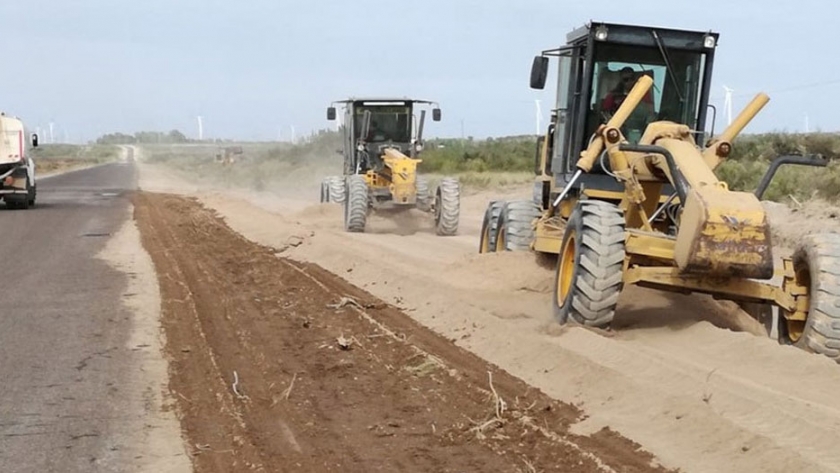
(56, 157)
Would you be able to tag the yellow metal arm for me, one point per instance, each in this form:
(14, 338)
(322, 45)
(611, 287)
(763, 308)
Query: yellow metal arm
(720, 146)
(591, 153)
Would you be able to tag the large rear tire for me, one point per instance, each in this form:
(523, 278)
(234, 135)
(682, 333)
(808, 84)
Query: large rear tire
(424, 198)
(489, 226)
(325, 191)
(336, 189)
(816, 264)
(356, 204)
(588, 278)
(447, 207)
(515, 230)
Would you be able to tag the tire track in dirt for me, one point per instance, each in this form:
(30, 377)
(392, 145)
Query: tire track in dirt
(323, 383)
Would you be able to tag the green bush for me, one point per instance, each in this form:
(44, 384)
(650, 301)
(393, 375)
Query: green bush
(509, 154)
(752, 155)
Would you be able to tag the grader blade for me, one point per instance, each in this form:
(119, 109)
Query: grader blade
(724, 234)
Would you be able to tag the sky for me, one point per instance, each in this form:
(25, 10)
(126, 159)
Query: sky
(256, 69)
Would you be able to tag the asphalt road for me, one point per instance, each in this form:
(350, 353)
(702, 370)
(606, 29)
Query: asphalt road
(63, 332)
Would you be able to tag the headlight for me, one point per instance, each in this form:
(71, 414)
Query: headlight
(418, 147)
(709, 41)
(601, 33)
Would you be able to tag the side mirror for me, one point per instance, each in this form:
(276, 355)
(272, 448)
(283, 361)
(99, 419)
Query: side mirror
(539, 72)
(331, 113)
(34, 140)
(436, 114)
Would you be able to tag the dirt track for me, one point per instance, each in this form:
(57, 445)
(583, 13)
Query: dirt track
(273, 370)
(693, 381)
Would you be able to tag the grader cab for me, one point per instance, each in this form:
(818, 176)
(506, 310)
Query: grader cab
(382, 144)
(626, 192)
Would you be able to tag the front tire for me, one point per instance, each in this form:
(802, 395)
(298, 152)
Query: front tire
(588, 277)
(816, 264)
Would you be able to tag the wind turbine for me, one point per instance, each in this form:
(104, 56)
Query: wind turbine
(539, 116)
(727, 104)
(200, 129)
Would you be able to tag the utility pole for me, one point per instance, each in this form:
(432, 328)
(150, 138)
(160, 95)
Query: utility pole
(807, 125)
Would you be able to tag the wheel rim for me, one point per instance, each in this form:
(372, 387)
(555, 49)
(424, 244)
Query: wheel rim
(501, 238)
(566, 270)
(485, 240)
(795, 328)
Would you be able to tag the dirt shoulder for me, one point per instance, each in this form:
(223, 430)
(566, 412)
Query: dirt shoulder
(150, 434)
(693, 381)
(278, 366)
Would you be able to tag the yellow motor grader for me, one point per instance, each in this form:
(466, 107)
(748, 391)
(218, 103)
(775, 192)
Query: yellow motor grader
(382, 144)
(626, 191)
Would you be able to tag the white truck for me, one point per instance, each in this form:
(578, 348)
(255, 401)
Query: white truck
(17, 170)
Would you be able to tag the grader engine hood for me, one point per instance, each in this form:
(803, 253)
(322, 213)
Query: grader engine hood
(724, 233)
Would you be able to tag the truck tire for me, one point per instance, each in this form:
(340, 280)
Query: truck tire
(18, 201)
(487, 241)
(33, 193)
(355, 204)
(336, 189)
(424, 199)
(515, 230)
(816, 263)
(588, 278)
(447, 207)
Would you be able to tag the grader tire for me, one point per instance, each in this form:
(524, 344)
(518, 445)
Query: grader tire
(588, 279)
(447, 207)
(356, 204)
(336, 189)
(424, 199)
(487, 242)
(816, 263)
(514, 230)
(325, 191)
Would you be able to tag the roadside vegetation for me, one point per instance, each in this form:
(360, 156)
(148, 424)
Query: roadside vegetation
(58, 157)
(752, 154)
(507, 161)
